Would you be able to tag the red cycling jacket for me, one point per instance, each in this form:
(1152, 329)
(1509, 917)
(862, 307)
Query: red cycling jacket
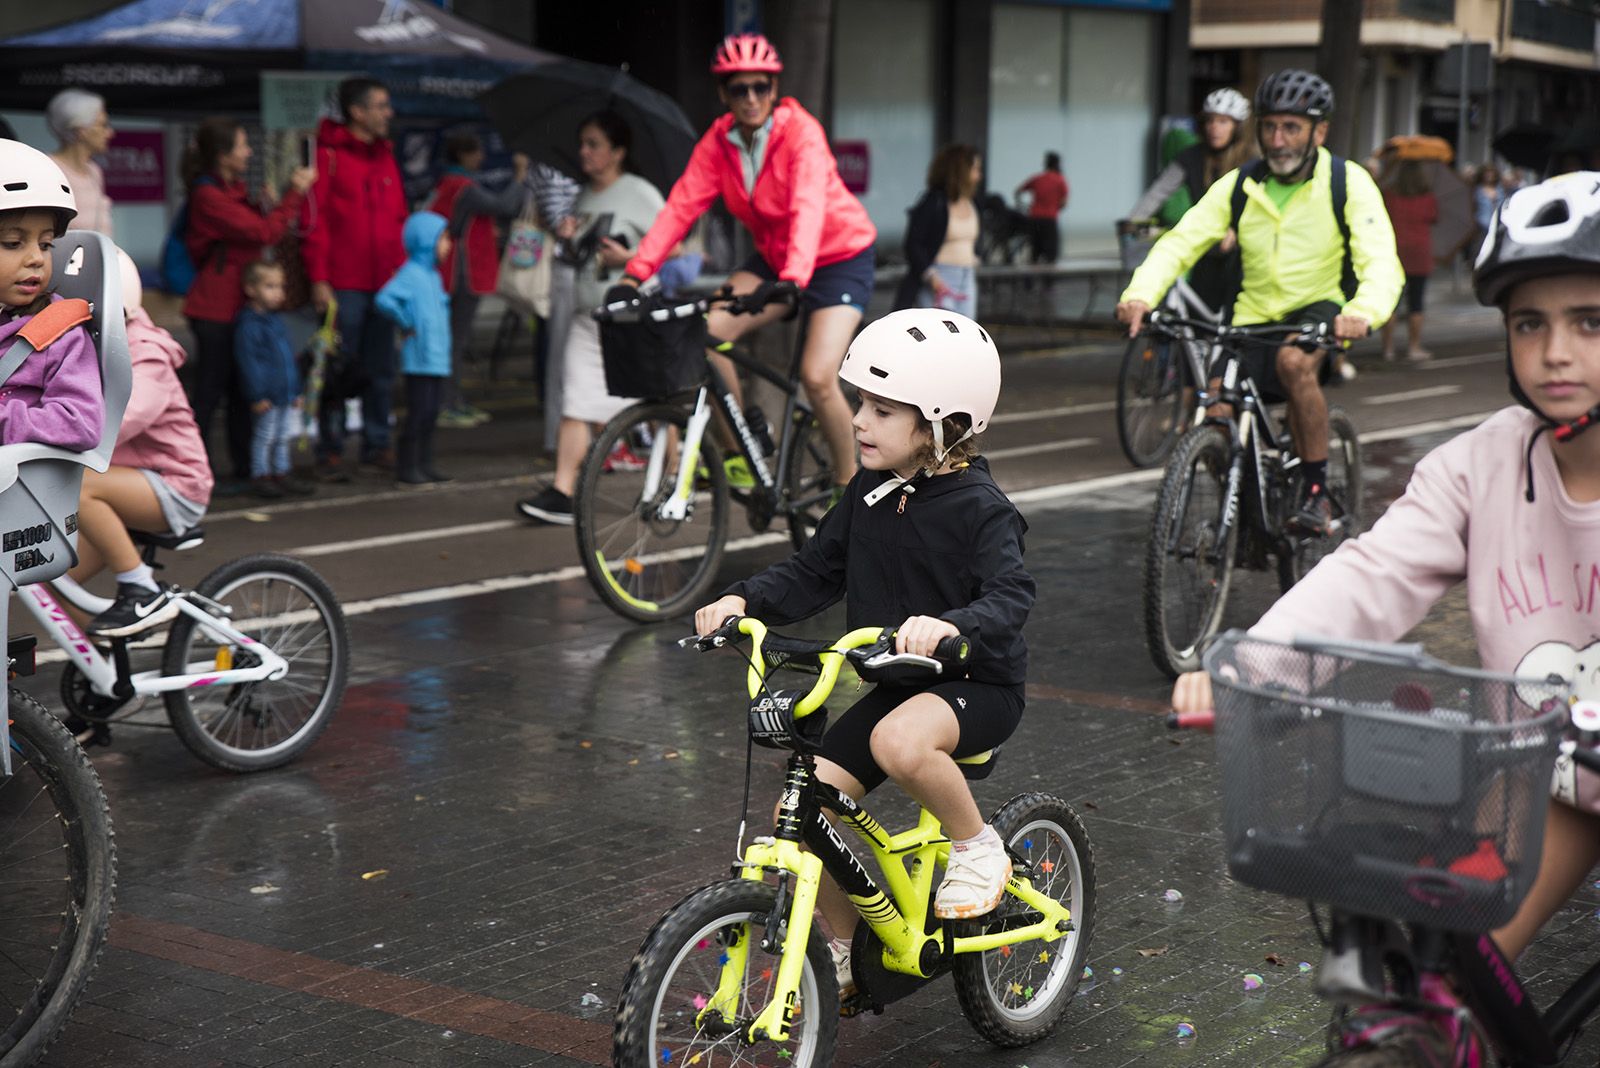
(353, 216)
(801, 215)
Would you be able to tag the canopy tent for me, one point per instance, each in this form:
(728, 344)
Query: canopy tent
(189, 57)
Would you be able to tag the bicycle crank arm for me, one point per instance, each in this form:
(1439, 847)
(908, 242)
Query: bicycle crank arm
(1054, 921)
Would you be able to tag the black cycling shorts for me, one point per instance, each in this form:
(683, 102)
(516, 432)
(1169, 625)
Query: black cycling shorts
(1261, 361)
(987, 714)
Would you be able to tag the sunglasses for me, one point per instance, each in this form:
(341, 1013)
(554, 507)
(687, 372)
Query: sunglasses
(755, 89)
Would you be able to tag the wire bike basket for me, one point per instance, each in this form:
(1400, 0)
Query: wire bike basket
(1381, 781)
(652, 348)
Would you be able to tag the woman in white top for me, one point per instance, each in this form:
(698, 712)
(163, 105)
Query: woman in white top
(78, 119)
(627, 206)
(942, 236)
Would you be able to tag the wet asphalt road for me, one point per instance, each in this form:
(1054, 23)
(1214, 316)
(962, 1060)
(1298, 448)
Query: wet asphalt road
(538, 780)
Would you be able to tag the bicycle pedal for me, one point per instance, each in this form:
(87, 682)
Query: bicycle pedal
(856, 1004)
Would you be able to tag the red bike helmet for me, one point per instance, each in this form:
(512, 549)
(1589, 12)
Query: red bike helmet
(741, 53)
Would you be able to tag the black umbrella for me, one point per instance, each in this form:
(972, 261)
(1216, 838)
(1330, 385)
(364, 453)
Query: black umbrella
(1527, 145)
(538, 113)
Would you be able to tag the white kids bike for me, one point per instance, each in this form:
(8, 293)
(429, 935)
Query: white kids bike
(251, 671)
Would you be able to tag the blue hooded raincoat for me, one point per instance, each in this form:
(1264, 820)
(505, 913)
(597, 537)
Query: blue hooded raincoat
(415, 299)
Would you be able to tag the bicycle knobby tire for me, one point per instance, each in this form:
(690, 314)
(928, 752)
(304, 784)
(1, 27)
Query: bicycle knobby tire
(50, 771)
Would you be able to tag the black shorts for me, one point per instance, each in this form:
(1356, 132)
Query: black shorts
(1416, 293)
(987, 713)
(846, 282)
(1262, 360)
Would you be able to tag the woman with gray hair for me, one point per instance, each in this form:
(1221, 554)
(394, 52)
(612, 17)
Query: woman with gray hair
(78, 119)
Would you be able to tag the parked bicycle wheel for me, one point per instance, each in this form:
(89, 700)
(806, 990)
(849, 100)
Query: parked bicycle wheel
(61, 869)
(666, 1014)
(809, 480)
(1188, 567)
(1017, 994)
(250, 726)
(1346, 489)
(1151, 413)
(645, 566)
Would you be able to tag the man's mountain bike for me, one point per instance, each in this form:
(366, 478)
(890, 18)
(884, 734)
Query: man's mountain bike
(737, 974)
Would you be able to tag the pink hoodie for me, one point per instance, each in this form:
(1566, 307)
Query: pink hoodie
(1532, 569)
(158, 430)
(54, 396)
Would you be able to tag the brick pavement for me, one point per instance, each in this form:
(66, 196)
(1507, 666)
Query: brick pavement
(540, 781)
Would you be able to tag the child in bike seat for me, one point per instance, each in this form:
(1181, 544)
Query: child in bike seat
(53, 396)
(1511, 507)
(159, 479)
(924, 541)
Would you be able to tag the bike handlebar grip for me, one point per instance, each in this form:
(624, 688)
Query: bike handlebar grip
(955, 650)
(1191, 721)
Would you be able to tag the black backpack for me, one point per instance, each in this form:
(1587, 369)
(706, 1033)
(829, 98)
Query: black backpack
(1336, 183)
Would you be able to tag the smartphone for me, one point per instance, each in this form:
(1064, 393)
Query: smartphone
(308, 151)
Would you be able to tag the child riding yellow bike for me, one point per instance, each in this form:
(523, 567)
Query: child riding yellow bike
(924, 536)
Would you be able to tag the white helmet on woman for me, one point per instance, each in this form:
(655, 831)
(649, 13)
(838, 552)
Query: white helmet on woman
(31, 179)
(1228, 102)
(939, 362)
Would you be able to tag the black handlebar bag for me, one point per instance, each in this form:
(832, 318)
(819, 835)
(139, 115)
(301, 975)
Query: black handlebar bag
(656, 354)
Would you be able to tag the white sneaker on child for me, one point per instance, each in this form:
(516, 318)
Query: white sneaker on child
(975, 879)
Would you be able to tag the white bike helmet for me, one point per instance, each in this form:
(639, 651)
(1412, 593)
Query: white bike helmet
(939, 362)
(1225, 101)
(31, 179)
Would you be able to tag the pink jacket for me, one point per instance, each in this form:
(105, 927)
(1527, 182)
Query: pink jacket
(54, 397)
(801, 215)
(158, 429)
(1532, 569)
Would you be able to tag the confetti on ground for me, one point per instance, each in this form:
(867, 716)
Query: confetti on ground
(1116, 971)
(699, 1002)
(1186, 1030)
(1305, 966)
(1171, 897)
(1088, 972)
(590, 1001)
(1155, 951)
(1252, 981)
(374, 876)
(264, 888)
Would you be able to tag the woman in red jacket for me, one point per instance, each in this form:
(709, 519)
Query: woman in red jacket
(226, 231)
(769, 161)
(1412, 210)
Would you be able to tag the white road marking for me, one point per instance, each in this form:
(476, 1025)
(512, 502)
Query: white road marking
(1049, 446)
(331, 547)
(420, 496)
(1053, 413)
(1458, 361)
(1411, 395)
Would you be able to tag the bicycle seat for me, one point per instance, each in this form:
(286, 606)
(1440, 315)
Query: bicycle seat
(978, 765)
(189, 539)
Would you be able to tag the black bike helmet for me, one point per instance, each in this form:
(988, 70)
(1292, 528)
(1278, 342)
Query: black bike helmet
(1295, 92)
(1544, 229)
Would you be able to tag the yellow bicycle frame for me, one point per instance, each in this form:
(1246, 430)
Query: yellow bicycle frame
(908, 861)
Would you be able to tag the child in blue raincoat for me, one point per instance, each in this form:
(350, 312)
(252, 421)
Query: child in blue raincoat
(415, 299)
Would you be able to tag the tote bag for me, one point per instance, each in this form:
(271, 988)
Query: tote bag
(525, 267)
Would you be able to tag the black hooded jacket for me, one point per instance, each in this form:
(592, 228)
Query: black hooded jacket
(952, 549)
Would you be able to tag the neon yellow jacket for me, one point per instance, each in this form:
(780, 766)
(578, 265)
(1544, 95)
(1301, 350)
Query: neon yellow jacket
(1291, 259)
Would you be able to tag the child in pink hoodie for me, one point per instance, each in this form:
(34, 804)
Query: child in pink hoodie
(1512, 508)
(159, 479)
(54, 395)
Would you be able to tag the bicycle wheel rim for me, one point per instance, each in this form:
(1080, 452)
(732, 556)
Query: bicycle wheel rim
(1197, 565)
(1149, 400)
(56, 906)
(1023, 979)
(260, 721)
(637, 559)
(698, 962)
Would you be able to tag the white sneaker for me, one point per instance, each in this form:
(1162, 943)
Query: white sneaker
(1347, 370)
(975, 879)
(840, 951)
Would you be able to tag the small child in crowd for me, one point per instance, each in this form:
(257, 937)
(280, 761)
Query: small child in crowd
(271, 380)
(54, 396)
(415, 299)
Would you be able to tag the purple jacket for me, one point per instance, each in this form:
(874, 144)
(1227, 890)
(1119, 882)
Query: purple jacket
(54, 398)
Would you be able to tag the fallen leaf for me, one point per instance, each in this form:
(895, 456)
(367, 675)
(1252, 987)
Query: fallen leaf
(1273, 958)
(671, 754)
(1090, 805)
(264, 888)
(1158, 951)
(381, 873)
(585, 745)
(1174, 741)
(633, 762)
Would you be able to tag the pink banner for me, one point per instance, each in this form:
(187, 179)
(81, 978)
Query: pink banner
(135, 167)
(855, 164)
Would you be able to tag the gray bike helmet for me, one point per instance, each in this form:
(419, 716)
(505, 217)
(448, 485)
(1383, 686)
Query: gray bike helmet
(1295, 92)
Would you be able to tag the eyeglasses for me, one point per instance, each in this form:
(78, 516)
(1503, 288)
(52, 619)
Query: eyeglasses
(756, 89)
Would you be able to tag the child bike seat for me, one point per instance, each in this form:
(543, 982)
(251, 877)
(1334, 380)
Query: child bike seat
(978, 765)
(189, 539)
(40, 484)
